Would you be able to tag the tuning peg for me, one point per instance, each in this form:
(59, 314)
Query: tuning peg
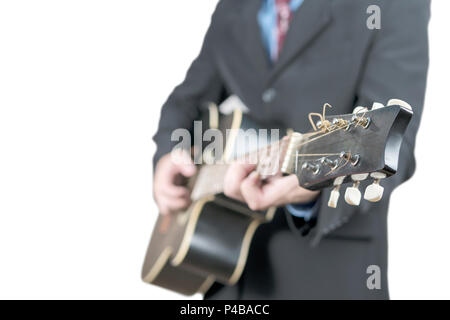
(352, 194)
(328, 162)
(398, 102)
(353, 158)
(359, 109)
(334, 196)
(374, 192)
(377, 105)
(313, 167)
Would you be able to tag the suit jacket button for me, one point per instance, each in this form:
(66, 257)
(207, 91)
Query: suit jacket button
(269, 95)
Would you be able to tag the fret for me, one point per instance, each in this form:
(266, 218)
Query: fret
(210, 178)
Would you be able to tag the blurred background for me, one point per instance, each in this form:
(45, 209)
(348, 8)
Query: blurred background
(81, 86)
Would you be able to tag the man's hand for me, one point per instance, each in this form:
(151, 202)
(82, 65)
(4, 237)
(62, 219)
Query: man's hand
(170, 196)
(244, 184)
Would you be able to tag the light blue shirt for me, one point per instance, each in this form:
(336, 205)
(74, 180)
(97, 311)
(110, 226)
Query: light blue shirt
(305, 211)
(267, 19)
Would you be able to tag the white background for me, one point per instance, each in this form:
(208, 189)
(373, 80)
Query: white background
(81, 86)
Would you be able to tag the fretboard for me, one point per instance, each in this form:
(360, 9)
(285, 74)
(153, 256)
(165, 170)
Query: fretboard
(210, 178)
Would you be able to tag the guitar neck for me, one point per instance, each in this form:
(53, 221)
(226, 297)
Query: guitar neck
(210, 178)
(209, 181)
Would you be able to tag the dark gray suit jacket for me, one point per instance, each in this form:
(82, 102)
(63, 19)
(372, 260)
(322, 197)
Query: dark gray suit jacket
(330, 55)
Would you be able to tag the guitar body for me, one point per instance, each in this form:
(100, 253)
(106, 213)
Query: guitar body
(208, 242)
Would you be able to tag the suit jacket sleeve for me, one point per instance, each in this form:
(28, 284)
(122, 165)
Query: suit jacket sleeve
(201, 84)
(396, 67)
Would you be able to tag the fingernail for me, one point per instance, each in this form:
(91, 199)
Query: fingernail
(254, 175)
(191, 169)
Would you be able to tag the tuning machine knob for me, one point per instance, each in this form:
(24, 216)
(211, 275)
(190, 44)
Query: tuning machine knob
(334, 196)
(359, 109)
(374, 192)
(377, 105)
(398, 102)
(352, 194)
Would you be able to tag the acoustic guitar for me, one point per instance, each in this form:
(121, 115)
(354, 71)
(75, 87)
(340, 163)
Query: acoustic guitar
(209, 241)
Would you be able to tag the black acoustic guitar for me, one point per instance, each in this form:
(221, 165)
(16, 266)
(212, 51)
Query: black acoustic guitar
(209, 241)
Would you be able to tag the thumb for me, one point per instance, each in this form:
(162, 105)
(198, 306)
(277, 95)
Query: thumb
(251, 184)
(187, 169)
(253, 179)
(182, 163)
(251, 191)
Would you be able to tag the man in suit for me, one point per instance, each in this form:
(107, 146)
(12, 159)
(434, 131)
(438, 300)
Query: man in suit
(284, 59)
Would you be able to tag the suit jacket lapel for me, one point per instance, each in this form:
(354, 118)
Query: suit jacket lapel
(308, 21)
(248, 33)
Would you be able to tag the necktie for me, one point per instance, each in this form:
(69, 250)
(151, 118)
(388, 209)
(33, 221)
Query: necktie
(284, 16)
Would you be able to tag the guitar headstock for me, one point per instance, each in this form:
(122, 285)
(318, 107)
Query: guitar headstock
(352, 148)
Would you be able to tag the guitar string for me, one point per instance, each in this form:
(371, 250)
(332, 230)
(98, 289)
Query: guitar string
(340, 164)
(283, 141)
(311, 140)
(310, 134)
(359, 122)
(266, 149)
(333, 129)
